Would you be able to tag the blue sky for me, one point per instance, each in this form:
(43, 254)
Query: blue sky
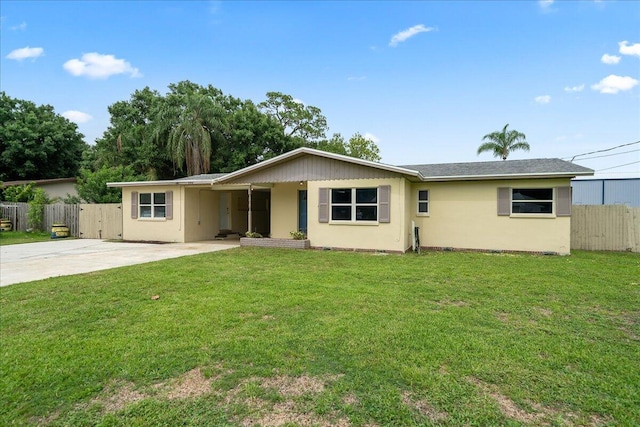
(425, 80)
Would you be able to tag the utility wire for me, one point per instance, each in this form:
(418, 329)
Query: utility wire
(609, 155)
(619, 166)
(602, 151)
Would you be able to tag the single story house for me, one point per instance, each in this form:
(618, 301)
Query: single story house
(57, 189)
(343, 202)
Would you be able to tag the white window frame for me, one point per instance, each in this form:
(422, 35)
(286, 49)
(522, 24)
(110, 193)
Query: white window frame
(419, 202)
(534, 214)
(353, 204)
(152, 206)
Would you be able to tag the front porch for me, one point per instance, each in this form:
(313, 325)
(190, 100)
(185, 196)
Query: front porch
(230, 211)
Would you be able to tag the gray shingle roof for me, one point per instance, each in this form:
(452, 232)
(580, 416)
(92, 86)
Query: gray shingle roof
(527, 167)
(202, 177)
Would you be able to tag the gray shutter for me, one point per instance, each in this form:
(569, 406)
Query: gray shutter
(134, 204)
(323, 205)
(563, 201)
(168, 200)
(384, 210)
(504, 201)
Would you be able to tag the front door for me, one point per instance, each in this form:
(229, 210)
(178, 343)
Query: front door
(223, 210)
(302, 211)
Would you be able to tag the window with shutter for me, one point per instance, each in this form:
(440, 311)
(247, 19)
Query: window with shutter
(152, 205)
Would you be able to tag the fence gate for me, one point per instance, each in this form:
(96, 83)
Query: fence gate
(103, 221)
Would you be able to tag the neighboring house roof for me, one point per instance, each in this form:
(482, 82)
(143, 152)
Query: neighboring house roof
(504, 169)
(38, 181)
(530, 168)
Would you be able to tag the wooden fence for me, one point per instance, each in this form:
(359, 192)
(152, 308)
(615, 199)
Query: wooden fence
(100, 221)
(605, 228)
(89, 221)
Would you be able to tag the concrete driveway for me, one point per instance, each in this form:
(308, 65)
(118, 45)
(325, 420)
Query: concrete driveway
(35, 261)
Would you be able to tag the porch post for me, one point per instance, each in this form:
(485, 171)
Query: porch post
(250, 214)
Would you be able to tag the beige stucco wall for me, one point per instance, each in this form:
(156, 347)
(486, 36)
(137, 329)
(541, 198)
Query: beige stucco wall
(370, 236)
(58, 191)
(284, 209)
(147, 229)
(201, 214)
(464, 215)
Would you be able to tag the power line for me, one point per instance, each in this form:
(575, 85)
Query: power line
(602, 151)
(609, 155)
(619, 166)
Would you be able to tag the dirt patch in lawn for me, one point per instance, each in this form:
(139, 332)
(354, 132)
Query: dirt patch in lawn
(507, 406)
(285, 402)
(116, 396)
(539, 415)
(424, 408)
(189, 385)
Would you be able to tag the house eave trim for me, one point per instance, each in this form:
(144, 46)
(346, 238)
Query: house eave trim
(204, 183)
(507, 176)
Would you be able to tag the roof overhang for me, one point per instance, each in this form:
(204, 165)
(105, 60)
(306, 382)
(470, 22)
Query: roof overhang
(199, 182)
(507, 176)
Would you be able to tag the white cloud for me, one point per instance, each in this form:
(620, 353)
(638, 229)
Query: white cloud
(20, 27)
(610, 59)
(627, 49)
(574, 88)
(614, 84)
(77, 116)
(97, 66)
(25, 52)
(356, 78)
(545, 4)
(544, 99)
(408, 33)
(371, 137)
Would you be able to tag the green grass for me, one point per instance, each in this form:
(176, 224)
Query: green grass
(328, 338)
(15, 237)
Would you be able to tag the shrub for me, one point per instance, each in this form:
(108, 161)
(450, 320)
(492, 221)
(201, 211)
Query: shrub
(35, 212)
(298, 235)
(253, 234)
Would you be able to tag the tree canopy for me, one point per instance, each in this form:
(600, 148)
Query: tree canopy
(299, 121)
(502, 143)
(357, 146)
(36, 143)
(191, 129)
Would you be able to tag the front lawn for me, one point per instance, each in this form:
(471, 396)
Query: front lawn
(15, 237)
(282, 337)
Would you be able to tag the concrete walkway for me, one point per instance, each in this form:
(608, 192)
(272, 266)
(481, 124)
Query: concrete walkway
(35, 261)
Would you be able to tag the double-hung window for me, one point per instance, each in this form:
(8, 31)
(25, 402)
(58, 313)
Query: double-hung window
(532, 200)
(423, 202)
(153, 205)
(354, 204)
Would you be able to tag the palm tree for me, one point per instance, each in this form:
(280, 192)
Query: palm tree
(189, 129)
(502, 143)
